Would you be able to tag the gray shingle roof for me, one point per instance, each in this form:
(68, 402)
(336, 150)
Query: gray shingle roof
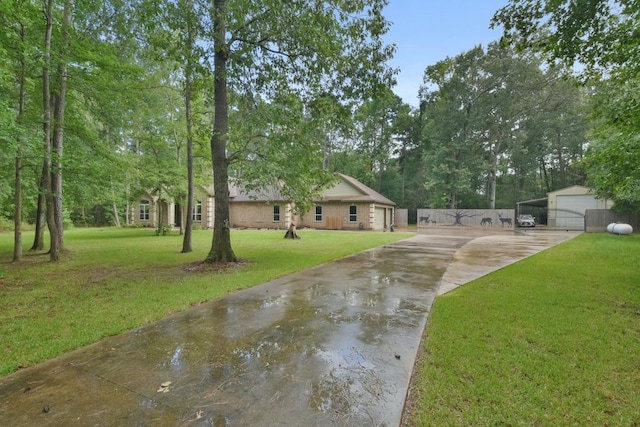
(239, 194)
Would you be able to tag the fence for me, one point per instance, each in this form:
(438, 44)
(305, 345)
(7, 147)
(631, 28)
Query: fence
(598, 219)
(466, 218)
(401, 217)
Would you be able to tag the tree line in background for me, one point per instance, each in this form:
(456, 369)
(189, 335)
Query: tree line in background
(121, 97)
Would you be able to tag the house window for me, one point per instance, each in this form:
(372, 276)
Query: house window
(353, 213)
(318, 213)
(276, 213)
(196, 213)
(144, 210)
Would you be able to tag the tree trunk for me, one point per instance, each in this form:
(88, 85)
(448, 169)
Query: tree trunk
(221, 250)
(58, 133)
(561, 163)
(17, 212)
(186, 239)
(545, 177)
(38, 238)
(493, 172)
(291, 232)
(116, 216)
(46, 105)
(160, 213)
(127, 211)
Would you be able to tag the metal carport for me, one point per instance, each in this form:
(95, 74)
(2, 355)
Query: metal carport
(535, 207)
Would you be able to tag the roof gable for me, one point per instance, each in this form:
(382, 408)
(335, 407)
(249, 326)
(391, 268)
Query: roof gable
(344, 188)
(352, 190)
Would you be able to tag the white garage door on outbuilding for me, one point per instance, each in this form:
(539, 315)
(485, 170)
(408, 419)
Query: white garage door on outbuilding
(571, 210)
(568, 206)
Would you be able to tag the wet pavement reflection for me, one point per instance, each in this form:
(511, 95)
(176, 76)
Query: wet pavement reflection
(332, 345)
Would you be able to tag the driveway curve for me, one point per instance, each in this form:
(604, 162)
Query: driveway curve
(331, 345)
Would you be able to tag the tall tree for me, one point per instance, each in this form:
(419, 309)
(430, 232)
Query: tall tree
(189, 71)
(59, 103)
(407, 130)
(22, 94)
(282, 49)
(47, 188)
(174, 30)
(453, 158)
(510, 88)
(15, 82)
(485, 114)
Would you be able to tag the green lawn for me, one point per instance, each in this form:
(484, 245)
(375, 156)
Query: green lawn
(553, 340)
(113, 280)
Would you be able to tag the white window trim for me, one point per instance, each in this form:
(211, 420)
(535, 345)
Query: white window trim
(196, 212)
(144, 210)
(353, 217)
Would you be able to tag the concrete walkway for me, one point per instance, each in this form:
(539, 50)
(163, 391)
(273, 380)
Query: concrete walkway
(332, 345)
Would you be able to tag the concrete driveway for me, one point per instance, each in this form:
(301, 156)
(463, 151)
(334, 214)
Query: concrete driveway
(332, 345)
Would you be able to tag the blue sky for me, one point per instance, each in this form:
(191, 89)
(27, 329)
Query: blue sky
(427, 31)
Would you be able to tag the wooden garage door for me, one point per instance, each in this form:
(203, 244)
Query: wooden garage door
(334, 223)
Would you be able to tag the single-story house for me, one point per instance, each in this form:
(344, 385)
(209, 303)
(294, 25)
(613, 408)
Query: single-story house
(156, 207)
(565, 208)
(347, 205)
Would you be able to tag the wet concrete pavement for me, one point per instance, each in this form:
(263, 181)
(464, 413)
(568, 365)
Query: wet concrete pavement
(333, 345)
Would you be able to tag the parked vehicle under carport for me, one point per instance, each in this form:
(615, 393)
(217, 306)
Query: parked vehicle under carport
(526, 221)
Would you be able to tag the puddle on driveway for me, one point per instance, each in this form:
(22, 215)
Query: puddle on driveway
(332, 345)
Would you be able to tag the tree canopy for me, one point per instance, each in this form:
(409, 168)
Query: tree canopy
(603, 38)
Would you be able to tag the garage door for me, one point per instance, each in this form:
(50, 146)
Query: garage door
(379, 219)
(571, 210)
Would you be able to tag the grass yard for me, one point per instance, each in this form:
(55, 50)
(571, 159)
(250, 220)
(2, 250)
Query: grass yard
(553, 340)
(113, 280)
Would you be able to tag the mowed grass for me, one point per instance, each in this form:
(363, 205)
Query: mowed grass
(553, 340)
(113, 280)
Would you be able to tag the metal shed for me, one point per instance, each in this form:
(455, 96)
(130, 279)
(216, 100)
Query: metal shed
(563, 208)
(568, 206)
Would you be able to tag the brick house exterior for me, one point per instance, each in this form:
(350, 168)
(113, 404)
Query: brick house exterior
(348, 205)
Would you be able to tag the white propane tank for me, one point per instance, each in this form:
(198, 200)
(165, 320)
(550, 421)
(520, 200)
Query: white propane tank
(621, 229)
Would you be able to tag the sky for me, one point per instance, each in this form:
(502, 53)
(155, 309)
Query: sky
(427, 31)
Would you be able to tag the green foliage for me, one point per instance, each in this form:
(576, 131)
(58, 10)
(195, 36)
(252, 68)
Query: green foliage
(295, 70)
(614, 169)
(613, 159)
(121, 278)
(492, 118)
(278, 145)
(602, 37)
(551, 340)
(5, 224)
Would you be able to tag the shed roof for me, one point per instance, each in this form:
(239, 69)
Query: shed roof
(572, 189)
(535, 202)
